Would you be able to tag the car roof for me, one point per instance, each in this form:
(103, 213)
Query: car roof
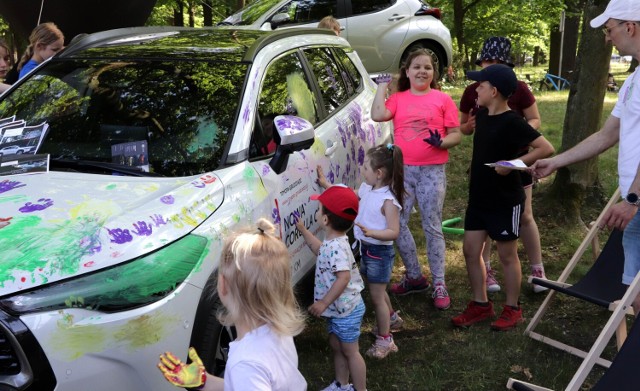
(209, 43)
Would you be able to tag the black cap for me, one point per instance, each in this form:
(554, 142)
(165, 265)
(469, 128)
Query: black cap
(500, 76)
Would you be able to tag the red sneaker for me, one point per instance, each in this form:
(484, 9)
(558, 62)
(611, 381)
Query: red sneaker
(474, 313)
(508, 319)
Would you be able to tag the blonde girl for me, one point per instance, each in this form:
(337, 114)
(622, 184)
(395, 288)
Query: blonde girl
(376, 227)
(254, 286)
(45, 41)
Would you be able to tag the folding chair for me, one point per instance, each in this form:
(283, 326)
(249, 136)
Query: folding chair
(601, 285)
(622, 374)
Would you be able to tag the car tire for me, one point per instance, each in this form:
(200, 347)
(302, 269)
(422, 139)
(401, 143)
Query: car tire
(210, 338)
(19, 152)
(438, 56)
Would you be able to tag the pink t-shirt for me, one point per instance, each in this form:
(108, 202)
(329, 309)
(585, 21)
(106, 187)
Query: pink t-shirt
(414, 116)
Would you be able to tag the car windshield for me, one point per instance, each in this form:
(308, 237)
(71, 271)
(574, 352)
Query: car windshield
(249, 14)
(163, 118)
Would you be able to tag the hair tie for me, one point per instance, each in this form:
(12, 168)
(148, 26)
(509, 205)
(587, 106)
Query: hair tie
(390, 147)
(261, 230)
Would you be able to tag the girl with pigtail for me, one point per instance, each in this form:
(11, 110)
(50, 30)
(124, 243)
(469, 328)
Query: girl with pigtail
(45, 40)
(254, 286)
(376, 227)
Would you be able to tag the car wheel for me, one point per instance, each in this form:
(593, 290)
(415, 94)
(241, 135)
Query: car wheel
(210, 338)
(19, 152)
(439, 58)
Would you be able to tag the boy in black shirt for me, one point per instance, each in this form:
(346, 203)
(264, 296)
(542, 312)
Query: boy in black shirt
(496, 196)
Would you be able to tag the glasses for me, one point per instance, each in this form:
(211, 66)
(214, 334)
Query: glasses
(607, 30)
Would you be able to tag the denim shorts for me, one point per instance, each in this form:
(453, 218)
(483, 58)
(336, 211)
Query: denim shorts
(631, 245)
(377, 262)
(347, 328)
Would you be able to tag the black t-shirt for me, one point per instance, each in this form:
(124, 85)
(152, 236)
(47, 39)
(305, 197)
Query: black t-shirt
(497, 137)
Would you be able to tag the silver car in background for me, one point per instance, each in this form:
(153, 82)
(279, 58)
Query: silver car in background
(383, 32)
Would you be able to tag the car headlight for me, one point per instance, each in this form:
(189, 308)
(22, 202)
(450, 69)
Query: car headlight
(125, 286)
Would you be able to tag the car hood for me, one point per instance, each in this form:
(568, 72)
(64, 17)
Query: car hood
(57, 225)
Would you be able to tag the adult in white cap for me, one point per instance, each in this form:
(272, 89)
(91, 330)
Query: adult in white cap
(620, 24)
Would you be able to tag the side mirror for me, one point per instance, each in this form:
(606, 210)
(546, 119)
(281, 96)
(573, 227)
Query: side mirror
(279, 19)
(295, 134)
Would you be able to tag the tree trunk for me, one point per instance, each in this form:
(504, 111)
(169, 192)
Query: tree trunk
(574, 183)
(240, 4)
(207, 13)
(458, 26)
(178, 14)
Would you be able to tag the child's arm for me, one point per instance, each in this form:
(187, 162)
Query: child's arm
(540, 149)
(453, 138)
(392, 215)
(322, 179)
(467, 122)
(342, 280)
(313, 242)
(379, 111)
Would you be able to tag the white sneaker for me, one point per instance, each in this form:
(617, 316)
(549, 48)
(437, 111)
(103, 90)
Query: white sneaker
(492, 283)
(335, 386)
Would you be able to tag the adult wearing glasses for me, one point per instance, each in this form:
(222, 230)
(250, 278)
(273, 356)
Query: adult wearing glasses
(621, 25)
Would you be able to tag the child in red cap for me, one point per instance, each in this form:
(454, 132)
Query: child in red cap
(338, 285)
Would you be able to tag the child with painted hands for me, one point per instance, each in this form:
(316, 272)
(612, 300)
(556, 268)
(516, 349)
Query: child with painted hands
(254, 264)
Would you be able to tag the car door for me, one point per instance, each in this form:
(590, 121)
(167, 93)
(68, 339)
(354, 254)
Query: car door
(286, 89)
(308, 13)
(376, 29)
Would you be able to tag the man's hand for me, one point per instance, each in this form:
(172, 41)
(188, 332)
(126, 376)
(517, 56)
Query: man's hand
(180, 374)
(542, 168)
(619, 215)
(383, 78)
(433, 139)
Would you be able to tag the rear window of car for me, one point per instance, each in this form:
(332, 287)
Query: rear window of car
(351, 76)
(175, 115)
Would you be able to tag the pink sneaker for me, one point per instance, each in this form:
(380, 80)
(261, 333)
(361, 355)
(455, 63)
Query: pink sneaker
(407, 285)
(492, 283)
(440, 296)
(539, 273)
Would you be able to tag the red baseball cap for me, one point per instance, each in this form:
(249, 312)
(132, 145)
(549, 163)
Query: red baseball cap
(339, 200)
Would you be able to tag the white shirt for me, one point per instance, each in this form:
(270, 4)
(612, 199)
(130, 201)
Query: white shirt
(627, 109)
(370, 212)
(263, 360)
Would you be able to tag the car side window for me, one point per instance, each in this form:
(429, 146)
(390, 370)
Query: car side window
(326, 70)
(352, 77)
(285, 90)
(368, 6)
(308, 11)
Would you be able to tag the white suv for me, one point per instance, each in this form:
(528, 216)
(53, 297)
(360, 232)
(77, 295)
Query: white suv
(383, 32)
(161, 141)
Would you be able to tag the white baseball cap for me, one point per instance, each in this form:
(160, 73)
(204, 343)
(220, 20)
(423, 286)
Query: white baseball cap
(618, 9)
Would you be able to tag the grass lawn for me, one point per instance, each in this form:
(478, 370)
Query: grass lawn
(435, 356)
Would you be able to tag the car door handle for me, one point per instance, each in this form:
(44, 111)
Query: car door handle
(331, 149)
(396, 17)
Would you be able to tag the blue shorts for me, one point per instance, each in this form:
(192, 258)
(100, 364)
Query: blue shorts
(347, 328)
(631, 245)
(376, 263)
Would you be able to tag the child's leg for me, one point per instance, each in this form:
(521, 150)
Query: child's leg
(381, 305)
(340, 362)
(529, 231)
(508, 253)
(472, 249)
(486, 253)
(406, 243)
(356, 364)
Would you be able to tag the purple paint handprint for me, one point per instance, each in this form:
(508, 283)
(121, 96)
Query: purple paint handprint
(41, 204)
(158, 220)
(360, 156)
(119, 235)
(7, 185)
(168, 199)
(275, 215)
(142, 228)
